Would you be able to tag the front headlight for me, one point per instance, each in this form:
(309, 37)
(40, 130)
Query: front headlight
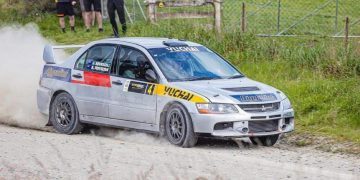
(213, 108)
(286, 104)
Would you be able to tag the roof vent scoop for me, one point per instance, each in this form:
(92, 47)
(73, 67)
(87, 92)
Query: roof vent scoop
(172, 43)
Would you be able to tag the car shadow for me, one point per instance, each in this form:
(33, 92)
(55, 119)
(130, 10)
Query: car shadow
(242, 143)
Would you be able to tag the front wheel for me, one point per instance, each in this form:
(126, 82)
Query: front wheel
(265, 140)
(178, 127)
(64, 115)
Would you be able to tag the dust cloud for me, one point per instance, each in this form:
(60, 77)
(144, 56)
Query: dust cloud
(21, 50)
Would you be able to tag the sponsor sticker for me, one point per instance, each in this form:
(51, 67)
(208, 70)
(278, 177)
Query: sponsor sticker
(59, 73)
(126, 85)
(177, 93)
(137, 87)
(256, 97)
(97, 66)
(162, 90)
(150, 89)
(183, 49)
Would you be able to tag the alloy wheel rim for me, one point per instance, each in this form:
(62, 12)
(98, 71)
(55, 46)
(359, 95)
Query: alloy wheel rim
(176, 125)
(63, 113)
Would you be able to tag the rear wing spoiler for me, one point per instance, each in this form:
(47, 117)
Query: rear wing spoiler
(48, 54)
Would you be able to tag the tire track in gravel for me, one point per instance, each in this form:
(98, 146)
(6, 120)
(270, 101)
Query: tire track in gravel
(99, 157)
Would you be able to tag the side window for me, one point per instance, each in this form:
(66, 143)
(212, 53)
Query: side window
(99, 58)
(81, 62)
(131, 63)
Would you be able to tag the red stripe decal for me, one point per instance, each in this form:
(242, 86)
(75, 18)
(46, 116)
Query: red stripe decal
(95, 79)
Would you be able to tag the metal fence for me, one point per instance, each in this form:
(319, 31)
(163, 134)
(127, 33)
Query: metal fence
(134, 10)
(294, 17)
(270, 17)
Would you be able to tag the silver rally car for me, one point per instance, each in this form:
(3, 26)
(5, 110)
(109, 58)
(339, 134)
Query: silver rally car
(177, 88)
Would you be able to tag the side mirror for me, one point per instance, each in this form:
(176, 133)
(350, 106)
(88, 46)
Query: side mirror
(48, 54)
(150, 75)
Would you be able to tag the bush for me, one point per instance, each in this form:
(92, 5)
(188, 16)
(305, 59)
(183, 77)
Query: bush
(28, 7)
(24, 10)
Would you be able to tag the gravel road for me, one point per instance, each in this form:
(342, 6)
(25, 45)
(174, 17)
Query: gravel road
(119, 154)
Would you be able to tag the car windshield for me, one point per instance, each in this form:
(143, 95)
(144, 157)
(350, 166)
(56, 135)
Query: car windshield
(192, 63)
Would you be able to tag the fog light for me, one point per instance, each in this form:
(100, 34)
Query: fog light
(287, 120)
(222, 126)
(245, 130)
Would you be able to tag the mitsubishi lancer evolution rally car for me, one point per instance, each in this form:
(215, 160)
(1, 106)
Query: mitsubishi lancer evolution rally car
(179, 89)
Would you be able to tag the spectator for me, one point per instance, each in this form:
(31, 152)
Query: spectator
(96, 4)
(117, 5)
(65, 8)
(83, 12)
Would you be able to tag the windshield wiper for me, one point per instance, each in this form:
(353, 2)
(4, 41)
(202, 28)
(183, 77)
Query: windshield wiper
(236, 76)
(202, 78)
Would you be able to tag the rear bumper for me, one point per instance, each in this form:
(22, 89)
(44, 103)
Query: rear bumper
(43, 100)
(240, 125)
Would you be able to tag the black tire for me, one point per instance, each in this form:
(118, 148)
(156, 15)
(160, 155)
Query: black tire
(265, 140)
(178, 127)
(64, 115)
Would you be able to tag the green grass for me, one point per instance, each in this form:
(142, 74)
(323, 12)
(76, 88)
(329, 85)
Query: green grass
(325, 106)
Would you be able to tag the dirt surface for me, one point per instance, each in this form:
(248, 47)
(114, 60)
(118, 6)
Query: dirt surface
(36, 154)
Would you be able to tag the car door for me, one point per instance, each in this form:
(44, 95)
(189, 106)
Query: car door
(92, 79)
(132, 96)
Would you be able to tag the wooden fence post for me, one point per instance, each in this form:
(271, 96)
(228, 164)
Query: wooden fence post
(217, 15)
(151, 5)
(243, 18)
(346, 37)
(153, 16)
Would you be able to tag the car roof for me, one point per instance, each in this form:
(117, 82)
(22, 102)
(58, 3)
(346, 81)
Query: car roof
(147, 42)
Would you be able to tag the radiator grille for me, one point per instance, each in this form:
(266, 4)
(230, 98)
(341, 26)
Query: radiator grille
(268, 107)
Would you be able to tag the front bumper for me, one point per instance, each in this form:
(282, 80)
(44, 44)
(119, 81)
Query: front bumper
(238, 125)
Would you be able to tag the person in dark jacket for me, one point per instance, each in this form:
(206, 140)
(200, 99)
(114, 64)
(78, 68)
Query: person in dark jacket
(65, 8)
(117, 5)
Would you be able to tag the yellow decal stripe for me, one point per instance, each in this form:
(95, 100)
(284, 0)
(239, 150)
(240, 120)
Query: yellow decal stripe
(163, 90)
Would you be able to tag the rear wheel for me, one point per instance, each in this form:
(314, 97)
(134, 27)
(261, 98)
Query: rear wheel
(178, 127)
(64, 115)
(265, 140)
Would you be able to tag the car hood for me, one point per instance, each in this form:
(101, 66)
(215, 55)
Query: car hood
(231, 90)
